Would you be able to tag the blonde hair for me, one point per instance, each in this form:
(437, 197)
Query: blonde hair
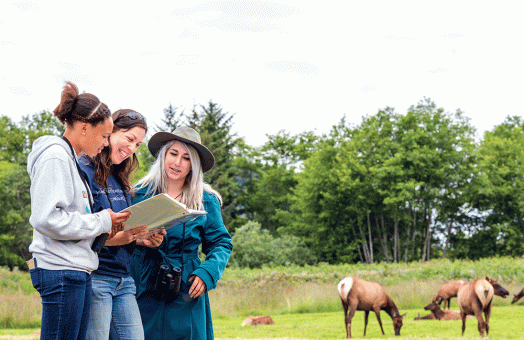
(192, 192)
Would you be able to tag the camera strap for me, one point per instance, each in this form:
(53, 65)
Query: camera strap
(89, 196)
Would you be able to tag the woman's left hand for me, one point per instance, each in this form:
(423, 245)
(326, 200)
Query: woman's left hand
(197, 288)
(153, 240)
(125, 237)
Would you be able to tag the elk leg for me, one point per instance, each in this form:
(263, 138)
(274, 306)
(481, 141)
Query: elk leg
(449, 303)
(487, 315)
(463, 317)
(349, 317)
(377, 312)
(366, 314)
(481, 326)
(348, 322)
(345, 306)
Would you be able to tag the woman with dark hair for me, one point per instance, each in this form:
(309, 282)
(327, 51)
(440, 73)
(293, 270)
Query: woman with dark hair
(114, 311)
(64, 225)
(178, 171)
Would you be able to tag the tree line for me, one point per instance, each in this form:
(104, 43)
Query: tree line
(394, 188)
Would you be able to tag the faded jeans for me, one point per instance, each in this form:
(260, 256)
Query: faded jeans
(114, 310)
(66, 300)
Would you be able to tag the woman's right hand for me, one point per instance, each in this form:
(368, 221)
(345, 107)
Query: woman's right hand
(116, 221)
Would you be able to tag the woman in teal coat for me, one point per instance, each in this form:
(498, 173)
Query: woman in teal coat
(178, 170)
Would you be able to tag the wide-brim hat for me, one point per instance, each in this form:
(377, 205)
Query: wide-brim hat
(187, 135)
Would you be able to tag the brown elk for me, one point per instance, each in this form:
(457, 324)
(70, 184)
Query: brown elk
(475, 298)
(430, 316)
(357, 294)
(518, 296)
(447, 291)
(258, 320)
(440, 314)
(497, 288)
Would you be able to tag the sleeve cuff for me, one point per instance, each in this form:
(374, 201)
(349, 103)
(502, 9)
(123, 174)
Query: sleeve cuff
(106, 220)
(204, 275)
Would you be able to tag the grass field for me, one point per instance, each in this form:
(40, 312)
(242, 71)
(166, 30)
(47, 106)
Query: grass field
(506, 323)
(304, 303)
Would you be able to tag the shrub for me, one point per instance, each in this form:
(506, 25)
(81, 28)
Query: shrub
(254, 247)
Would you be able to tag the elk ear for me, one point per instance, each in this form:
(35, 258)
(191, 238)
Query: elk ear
(404, 315)
(487, 278)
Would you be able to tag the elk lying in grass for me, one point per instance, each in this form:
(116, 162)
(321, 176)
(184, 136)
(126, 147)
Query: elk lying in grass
(357, 294)
(518, 296)
(258, 320)
(475, 298)
(430, 316)
(447, 291)
(440, 314)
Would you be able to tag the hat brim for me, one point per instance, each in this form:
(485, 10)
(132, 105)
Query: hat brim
(160, 138)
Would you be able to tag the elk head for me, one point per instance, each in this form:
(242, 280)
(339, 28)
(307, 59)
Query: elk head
(497, 288)
(432, 306)
(397, 322)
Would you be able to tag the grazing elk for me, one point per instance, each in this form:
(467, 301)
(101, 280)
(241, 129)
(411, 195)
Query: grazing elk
(258, 320)
(518, 296)
(357, 294)
(447, 291)
(475, 298)
(440, 314)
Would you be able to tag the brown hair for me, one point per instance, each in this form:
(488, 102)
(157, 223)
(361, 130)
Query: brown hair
(122, 120)
(75, 107)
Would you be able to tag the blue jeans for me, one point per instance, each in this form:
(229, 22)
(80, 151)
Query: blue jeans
(114, 310)
(66, 301)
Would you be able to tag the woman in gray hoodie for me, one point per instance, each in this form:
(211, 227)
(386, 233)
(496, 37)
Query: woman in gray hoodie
(64, 226)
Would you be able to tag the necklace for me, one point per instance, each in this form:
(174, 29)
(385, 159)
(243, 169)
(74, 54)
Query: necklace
(178, 195)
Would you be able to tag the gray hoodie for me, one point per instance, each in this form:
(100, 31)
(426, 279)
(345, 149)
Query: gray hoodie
(63, 226)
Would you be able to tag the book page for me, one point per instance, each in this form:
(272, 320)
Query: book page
(158, 211)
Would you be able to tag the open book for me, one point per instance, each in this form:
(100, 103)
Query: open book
(159, 212)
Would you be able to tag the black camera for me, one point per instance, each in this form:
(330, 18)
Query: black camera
(167, 284)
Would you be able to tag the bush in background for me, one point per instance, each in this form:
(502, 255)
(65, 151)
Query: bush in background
(254, 247)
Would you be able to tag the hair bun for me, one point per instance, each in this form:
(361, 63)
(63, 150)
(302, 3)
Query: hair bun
(67, 104)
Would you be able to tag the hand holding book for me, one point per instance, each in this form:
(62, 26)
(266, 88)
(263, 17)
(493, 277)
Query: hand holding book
(159, 212)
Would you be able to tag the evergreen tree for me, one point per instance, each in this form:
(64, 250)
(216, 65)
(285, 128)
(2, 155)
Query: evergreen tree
(170, 121)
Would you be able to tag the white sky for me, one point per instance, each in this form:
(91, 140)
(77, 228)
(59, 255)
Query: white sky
(276, 65)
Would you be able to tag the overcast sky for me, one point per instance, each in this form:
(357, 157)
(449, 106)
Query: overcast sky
(276, 65)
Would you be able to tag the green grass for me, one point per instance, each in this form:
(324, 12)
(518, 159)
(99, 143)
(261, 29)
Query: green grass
(15, 282)
(304, 301)
(19, 334)
(20, 304)
(505, 323)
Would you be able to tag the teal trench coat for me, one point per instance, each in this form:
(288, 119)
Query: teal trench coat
(183, 317)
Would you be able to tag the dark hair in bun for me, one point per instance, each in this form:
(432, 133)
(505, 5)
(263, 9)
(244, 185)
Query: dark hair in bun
(75, 107)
